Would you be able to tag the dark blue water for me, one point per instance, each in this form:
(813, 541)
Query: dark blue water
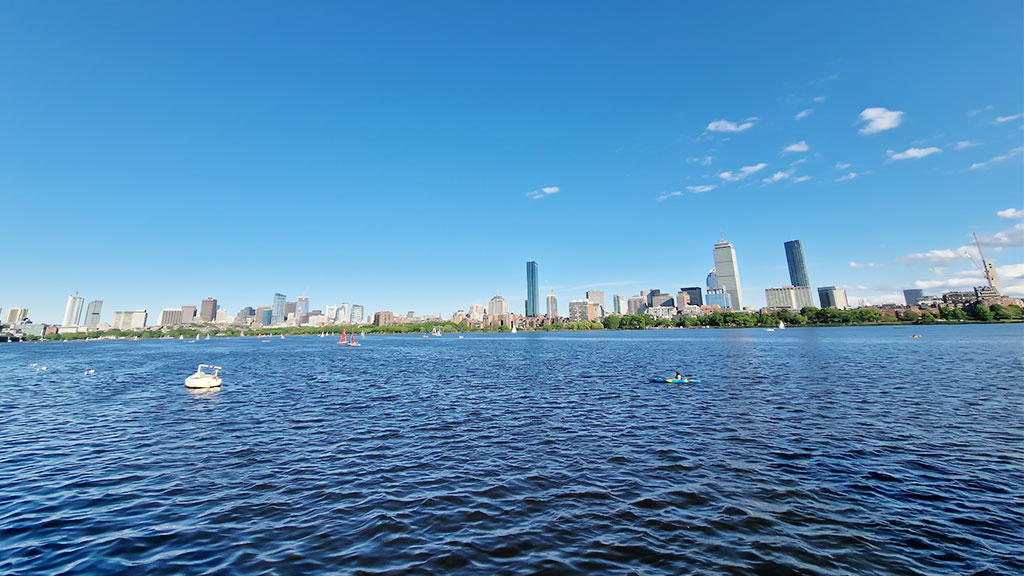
(825, 451)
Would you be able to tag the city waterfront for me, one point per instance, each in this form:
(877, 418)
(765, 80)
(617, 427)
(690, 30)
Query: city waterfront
(818, 450)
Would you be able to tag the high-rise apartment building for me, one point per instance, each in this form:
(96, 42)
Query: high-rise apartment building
(383, 318)
(797, 264)
(129, 320)
(552, 303)
(636, 305)
(277, 309)
(832, 297)
(188, 314)
(620, 305)
(92, 313)
(789, 297)
(208, 310)
(356, 316)
(498, 306)
(73, 311)
(597, 297)
(581, 310)
(16, 316)
(728, 273)
(532, 294)
(170, 317)
(695, 295)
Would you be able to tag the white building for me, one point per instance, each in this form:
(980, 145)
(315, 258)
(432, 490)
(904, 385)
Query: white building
(620, 305)
(497, 307)
(728, 273)
(552, 303)
(92, 313)
(832, 297)
(223, 317)
(476, 312)
(129, 320)
(73, 311)
(16, 315)
(789, 297)
(661, 311)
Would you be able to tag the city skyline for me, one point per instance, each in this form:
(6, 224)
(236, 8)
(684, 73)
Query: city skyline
(791, 140)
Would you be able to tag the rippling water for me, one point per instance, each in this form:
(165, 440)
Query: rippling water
(826, 451)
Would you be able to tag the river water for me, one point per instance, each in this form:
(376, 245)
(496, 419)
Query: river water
(817, 451)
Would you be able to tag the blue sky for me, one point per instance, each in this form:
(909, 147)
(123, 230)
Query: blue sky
(406, 156)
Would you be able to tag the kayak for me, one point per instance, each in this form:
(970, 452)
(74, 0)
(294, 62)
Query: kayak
(674, 381)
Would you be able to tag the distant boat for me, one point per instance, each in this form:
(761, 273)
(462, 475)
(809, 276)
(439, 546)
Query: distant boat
(181, 337)
(769, 329)
(342, 339)
(514, 327)
(282, 336)
(353, 342)
(436, 332)
(205, 379)
(781, 325)
(425, 335)
(207, 336)
(463, 331)
(362, 335)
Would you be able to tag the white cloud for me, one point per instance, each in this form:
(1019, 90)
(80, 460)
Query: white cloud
(543, 192)
(798, 162)
(800, 146)
(959, 282)
(818, 99)
(879, 119)
(1001, 119)
(801, 179)
(743, 172)
(849, 176)
(666, 195)
(864, 265)
(997, 159)
(988, 108)
(931, 257)
(966, 144)
(1014, 271)
(777, 177)
(804, 113)
(914, 153)
(700, 189)
(727, 126)
(842, 165)
(1010, 213)
(702, 160)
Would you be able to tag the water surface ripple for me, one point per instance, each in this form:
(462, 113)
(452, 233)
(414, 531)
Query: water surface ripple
(810, 451)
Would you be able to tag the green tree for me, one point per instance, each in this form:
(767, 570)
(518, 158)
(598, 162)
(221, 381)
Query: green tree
(999, 312)
(982, 313)
(956, 315)
(927, 318)
(910, 316)
(612, 322)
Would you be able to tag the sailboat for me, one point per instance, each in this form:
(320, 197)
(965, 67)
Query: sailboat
(462, 332)
(342, 339)
(207, 336)
(425, 335)
(781, 325)
(436, 332)
(514, 327)
(353, 342)
(362, 335)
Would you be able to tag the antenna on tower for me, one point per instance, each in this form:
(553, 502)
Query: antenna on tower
(722, 234)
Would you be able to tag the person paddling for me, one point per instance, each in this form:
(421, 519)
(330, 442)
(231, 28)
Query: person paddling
(678, 375)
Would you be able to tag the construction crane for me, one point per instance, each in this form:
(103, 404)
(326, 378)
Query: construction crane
(983, 268)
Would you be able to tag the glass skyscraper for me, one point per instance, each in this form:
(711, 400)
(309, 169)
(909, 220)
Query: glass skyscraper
(277, 309)
(532, 294)
(797, 265)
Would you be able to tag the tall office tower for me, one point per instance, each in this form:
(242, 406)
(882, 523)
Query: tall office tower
(727, 270)
(712, 281)
(532, 295)
(92, 313)
(990, 269)
(343, 313)
(636, 305)
(208, 310)
(476, 312)
(832, 297)
(302, 309)
(289, 310)
(16, 316)
(129, 319)
(245, 314)
(912, 296)
(332, 313)
(694, 293)
(263, 315)
(797, 264)
(170, 317)
(719, 297)
(552, 306)
(357, 314)
(73, 311)
(497, 306)
(277, 309)
(597, 297)
(188, 314)
(619, 304)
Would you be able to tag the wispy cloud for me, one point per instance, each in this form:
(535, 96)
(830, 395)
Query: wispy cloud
(988, 108)
(880, 119)
(800, 146)
(701, 189)
(667, 195)
(914, 153)
(863, 265)
(849, 176)
(961, 145)
(730, 176)
(705, 160)
(842, 165)
(802, 179)
(727, 126)
(932, 258)
(778, 176)
(804, 113)
(818, 99)
(1010, 213)
(543, 192)
(997, 159)
(798, 162)
(1001, 119)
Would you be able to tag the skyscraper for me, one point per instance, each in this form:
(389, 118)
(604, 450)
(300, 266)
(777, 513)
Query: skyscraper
(532, 296)
(208, 310)
(498, 306)
(92, 313)
(73, 311)
(712, 281)
(797, 265)
(596, 296)
(832, 297)
(619, 304)
(188, 314)
(302, 309)
(912, 296)
(357, 314)
(16, 316)
(990, 269)
(728, 273)
(277, 309)
(552, 306)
